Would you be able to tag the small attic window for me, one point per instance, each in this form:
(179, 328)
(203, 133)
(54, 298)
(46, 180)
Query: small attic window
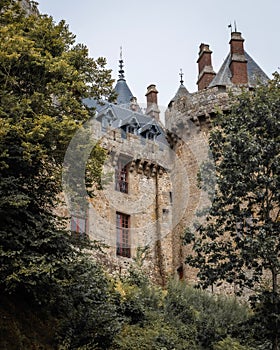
(150, 135)
(131, 129)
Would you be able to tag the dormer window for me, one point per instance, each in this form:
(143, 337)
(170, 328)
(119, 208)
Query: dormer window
(131, 129)
(149, 131)
(150, 135)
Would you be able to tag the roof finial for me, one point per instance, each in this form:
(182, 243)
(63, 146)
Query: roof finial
(181, 75)
(235, 27)
(121, 71)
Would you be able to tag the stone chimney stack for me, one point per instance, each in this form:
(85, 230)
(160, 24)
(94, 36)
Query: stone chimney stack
(238, 64)
(152, 104)
(205, 70)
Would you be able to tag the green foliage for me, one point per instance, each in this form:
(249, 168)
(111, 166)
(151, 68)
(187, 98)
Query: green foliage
(88, 316)
(179, 318)
(260, 329)
(157, 335)
(44, 77)
(229, 344)
(147, 323)
(240, 241)
(210, 317)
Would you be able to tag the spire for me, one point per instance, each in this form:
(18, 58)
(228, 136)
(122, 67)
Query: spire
(181, 92)
(121, 65)
(181, 75)
(124, 94)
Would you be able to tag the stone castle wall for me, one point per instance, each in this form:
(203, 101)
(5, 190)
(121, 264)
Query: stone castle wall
(148, 201)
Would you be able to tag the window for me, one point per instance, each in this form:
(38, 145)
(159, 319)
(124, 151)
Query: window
(170, 197)
(150, 135)
(121, 176)
(78, 225)
(131, 129)
(180, 272)
(123, 237)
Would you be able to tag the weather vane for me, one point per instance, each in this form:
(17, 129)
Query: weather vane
(235, 27)
(120, 52)
(181, 75)
(121, 71)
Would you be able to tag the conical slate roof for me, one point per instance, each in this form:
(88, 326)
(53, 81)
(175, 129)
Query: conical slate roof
(255, 73)
(124, 94)
(182, 91)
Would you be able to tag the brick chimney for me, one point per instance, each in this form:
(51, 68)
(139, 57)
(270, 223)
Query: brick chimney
(152, 104)
(238, 64)
(205, 70)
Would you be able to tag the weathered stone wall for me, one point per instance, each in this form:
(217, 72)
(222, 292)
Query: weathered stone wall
(147, 202)
(199, 107)
(188, 121)
(163, 196)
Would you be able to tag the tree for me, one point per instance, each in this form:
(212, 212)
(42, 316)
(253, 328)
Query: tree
(44, 77)
(240, 242)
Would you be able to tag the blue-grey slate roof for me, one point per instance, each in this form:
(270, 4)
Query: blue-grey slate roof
(124, 94)
(182, 91)
(124, 116)
(255, 73)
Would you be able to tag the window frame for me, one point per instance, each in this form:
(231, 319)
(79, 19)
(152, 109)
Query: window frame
(121, 176)
(78, 225)
(123, 239)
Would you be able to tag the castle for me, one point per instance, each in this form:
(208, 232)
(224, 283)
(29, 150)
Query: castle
(150, 192)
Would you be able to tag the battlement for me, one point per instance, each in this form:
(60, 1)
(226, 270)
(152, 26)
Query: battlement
(199, 107)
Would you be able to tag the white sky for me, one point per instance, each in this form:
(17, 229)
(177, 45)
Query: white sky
(159, 37)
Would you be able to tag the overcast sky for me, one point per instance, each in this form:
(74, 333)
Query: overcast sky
(160, 37)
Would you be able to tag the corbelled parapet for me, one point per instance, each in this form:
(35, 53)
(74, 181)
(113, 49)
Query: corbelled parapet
(199, 107)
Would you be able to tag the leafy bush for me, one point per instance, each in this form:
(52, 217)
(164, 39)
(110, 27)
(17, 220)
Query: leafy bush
(230, 344)
(214, 316)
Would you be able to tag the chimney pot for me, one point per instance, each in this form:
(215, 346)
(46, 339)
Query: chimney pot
(152, 104)
(238, 64)
(205, 70)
